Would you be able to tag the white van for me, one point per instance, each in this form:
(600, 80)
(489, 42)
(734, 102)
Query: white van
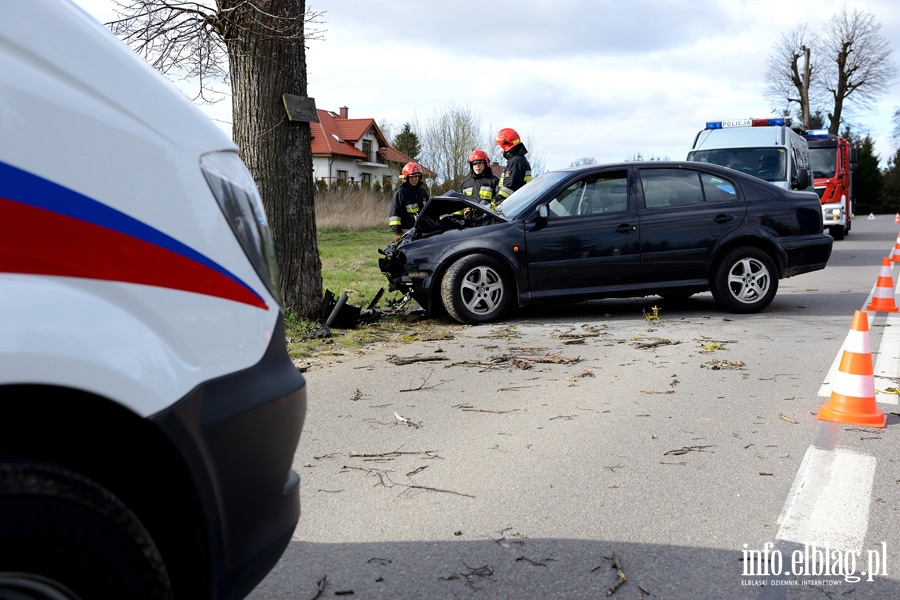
(767, 148)
(149, 412)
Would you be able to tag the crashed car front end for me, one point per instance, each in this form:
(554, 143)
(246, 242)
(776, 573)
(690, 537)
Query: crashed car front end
(408, 263)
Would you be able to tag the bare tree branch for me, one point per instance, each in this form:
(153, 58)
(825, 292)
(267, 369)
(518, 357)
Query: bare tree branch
(859, 63)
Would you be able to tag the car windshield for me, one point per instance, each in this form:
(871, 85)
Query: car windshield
(524, 197)
(765, 163)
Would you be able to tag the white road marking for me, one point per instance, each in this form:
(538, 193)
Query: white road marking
(829, 500)
(887, 364)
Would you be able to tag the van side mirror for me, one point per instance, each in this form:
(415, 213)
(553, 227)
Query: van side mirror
(802, 179)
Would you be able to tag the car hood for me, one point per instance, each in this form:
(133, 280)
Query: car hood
(451, 202)
(452, 211)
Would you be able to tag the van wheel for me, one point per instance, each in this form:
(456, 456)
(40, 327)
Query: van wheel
(475, 289)
(837, 232)
(65, 537)
(745, 280)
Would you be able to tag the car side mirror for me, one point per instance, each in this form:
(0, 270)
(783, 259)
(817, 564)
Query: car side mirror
(543, 212)
(802, 179)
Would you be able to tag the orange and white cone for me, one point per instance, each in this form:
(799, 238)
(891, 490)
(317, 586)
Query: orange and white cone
(853, 390)
(895, 253)
(897, 219)
(883, 296)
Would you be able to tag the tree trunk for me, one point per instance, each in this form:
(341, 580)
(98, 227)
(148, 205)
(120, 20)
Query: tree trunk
(277, 151)
(804, 91)
(841, 88)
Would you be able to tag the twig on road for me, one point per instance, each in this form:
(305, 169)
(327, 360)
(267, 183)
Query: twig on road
(686, 449)
(408, 360)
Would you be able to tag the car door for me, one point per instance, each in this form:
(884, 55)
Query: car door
(589, 241)
(683, 214)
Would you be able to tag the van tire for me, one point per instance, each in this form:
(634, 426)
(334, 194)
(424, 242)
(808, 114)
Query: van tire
(65, 536)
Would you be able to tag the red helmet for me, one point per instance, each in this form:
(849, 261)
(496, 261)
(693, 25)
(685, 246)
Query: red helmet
(507, 138)
(411, 168)
(479, 155)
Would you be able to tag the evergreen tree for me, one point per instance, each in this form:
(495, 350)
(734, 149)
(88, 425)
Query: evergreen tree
(868, 182)
(407, 142)
(892, 184)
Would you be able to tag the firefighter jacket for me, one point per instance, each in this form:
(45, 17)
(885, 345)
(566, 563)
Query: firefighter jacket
(482, 186)
(517, 172)
(405, 206)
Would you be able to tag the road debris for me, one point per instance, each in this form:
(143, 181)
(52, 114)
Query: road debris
(784, 417)
(686, 449)
(652, 342)
(393, 454)
(719, 365)
(535, 563)
(485, 572)
(385, 481)
(408, 360)
(653, 315)
(470, 408)
(406, 421)
(620, 574)
(320, 586)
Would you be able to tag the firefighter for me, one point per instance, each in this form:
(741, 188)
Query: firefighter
(482, 183)
(518, 170)
(408, 200)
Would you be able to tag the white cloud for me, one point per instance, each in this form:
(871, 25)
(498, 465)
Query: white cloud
(600, 78)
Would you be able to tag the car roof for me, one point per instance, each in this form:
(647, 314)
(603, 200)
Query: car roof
(670, 164)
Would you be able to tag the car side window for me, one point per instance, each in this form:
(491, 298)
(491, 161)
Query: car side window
(597, 193)
(716, 189)
(671, 187)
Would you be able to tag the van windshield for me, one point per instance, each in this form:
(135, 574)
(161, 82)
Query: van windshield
(766, 163)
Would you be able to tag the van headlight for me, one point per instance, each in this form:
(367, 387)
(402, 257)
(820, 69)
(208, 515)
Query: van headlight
(235, 191)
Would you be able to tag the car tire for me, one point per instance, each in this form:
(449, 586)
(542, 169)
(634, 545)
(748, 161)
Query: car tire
(837, 232)
(66, 537)
(745, 280)
(475, 289)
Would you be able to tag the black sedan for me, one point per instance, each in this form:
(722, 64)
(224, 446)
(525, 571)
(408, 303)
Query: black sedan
(631, 229)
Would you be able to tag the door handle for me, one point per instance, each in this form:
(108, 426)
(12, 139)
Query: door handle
(625, 228)
(723, 219)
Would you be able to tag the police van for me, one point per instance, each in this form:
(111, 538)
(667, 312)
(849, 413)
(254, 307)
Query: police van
(149, 412)
(770, 149)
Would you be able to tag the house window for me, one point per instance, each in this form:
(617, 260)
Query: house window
(367, 150)
(342, 175)
(366, 179)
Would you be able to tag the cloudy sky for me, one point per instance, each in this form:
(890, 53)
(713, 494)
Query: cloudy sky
(605, 79)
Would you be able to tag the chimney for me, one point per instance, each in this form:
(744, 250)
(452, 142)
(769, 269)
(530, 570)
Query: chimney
(344, 110)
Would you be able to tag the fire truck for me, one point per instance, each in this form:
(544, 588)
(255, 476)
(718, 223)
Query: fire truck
(833, 161)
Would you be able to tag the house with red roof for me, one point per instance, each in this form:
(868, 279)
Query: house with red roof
(354, 151)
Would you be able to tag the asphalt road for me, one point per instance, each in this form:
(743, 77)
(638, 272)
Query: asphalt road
(575, 449)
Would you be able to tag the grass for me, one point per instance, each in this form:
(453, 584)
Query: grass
(352, 226)
(350, 263)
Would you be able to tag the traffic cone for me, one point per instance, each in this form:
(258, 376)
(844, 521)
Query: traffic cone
(897, 219)
(895, 253)
(883, 296)
(853, 390)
